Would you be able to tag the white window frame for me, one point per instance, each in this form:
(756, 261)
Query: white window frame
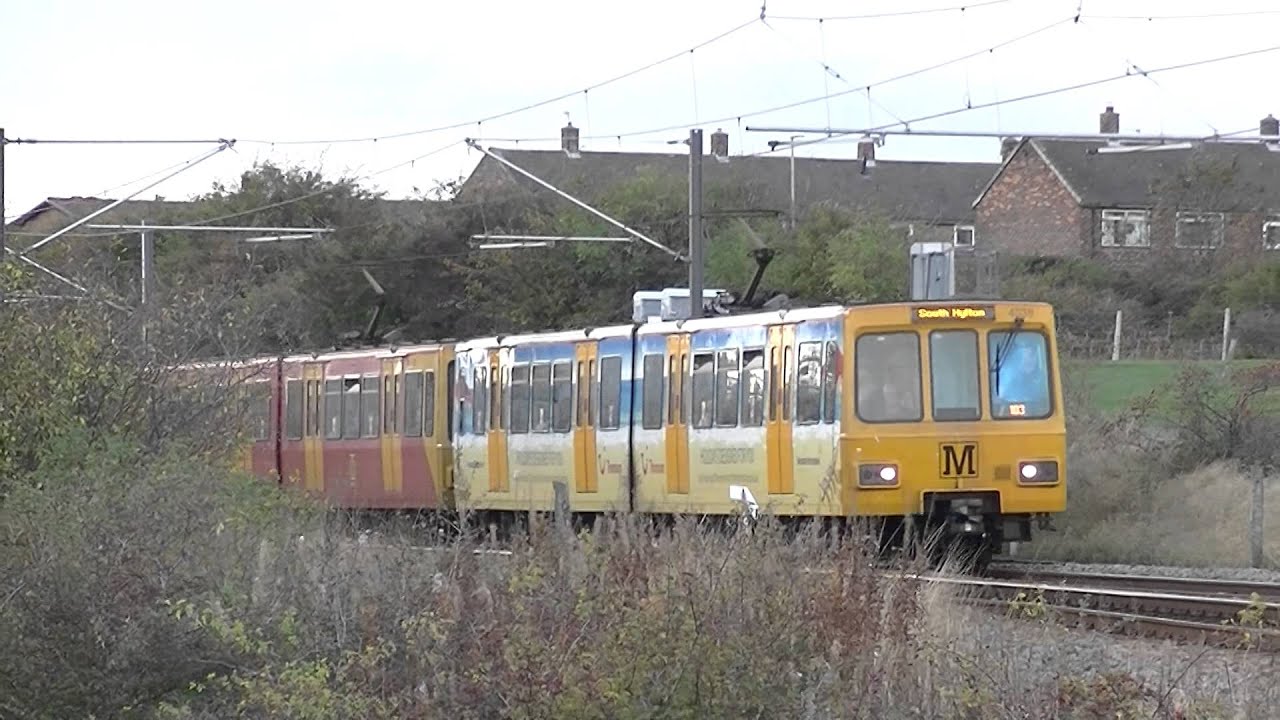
(1272, 222)
(1139, 218)
(955, 236)
(1188, 217)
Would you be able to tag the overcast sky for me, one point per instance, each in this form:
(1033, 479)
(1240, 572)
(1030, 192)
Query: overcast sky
(319, 70)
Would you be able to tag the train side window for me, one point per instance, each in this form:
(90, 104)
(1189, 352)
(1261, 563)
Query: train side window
(351, 408)
(830, 376)
(787, 362)
(773, 387)
(260, 410)
(429, 405)
(727, 388)
(753, 388)
(593, 392)
(495, 397)
(479, 400)
(651, 411)
(673, 397)
(704, 401)
(369, 406)
(610, 392)
(520, 399)
(451, 380)
(333, 409)
(583, 392)
(887, 373)
(413, 404)
(293, 409)
(953, 375)
(310, 421)
(562, 397)
(388, 405)
(809, 384)
(541, 391)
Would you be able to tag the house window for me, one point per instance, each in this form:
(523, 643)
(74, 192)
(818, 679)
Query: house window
(1271, 233)
(1199, 230)
(963, 236)
(1126, 228)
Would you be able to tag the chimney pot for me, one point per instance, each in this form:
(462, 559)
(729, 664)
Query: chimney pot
(569, 140)
(1269, 126)
(1109, 121)
(720, 143)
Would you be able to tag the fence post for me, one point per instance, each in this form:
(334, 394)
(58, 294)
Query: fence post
(1115, 342)
(1226, 332)
(1255, 521)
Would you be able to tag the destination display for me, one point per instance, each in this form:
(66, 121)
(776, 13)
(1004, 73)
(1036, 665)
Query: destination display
(953, 312)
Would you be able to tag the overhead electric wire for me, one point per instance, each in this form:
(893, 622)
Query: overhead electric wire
(1196, 16)
(895, 13)
(516, 111)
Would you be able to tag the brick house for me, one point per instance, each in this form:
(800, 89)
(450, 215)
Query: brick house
(930, 201)
(1126, 203)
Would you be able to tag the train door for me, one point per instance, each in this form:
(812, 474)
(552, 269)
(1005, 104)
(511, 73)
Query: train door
(779, 452)
(676, 440)
(499, 472)
(391, 440)
(585, 477)
(312, 436)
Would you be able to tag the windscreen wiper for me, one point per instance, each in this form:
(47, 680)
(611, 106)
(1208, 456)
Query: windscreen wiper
(1003, 350)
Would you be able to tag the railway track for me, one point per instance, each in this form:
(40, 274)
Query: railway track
(1226, 613)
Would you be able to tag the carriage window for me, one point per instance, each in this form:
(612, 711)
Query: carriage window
(673, 397)
(369, 406)
(429, 405)
(541, 389)
(610, 392)
(351, 408)
(703, 408)
(293, 409)
(388, 404)
(753, 388)
(479, 400)
(313, 408)
(787, 363)
(727, 388)
(495, 399)
(809, 384)
(520, 399)
(413, 404)
(831, 373)
(333, 409)
(888, 377)
(584, 393)
(561, 397)
(773, 392)
(451, 380)
(1021, 390)
(260, 410)
(953, 374)
(652, 412)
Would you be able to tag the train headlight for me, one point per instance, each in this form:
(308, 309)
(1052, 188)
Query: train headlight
(1038, 472)
(877, 475)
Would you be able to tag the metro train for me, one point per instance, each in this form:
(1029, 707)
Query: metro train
(930, 416)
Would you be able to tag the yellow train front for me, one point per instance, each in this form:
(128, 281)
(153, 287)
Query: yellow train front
(957, 420)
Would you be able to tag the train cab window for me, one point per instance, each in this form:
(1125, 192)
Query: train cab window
(351, 408)
(651, 413)
(753, 388)
(704, 401)
(413, 388)
(953, 375)
(809, 384)
(520, 399)
(369, 406)
(830, 374)
(333, 409)
(727, 388)
(887, 370)
(293, 409)
(1020, 390)
(479, 400)
(562, 397)
(610, 393)
(540, 388)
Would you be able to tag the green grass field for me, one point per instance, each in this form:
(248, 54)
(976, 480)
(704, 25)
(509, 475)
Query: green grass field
(1113, 385)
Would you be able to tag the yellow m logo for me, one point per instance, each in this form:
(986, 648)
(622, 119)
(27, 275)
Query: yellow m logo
(958, 460)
